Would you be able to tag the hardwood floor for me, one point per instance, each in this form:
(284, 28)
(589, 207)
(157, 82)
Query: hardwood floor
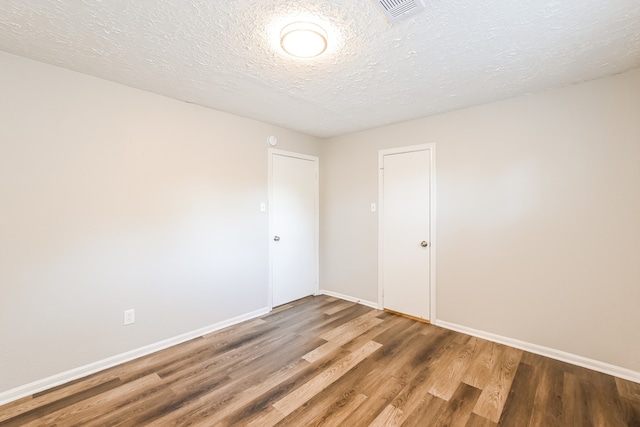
(323, 361)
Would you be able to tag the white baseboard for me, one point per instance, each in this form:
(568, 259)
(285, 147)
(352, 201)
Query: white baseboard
(574, 359)
(83, 371)
(348, 298)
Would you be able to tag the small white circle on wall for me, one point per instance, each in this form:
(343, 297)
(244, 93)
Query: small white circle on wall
(272, 140)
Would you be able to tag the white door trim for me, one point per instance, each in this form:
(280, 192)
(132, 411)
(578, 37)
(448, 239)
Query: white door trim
(431, 147)
(316, 161)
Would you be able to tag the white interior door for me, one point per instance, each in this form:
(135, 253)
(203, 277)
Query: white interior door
(293, 226)
(406, 231)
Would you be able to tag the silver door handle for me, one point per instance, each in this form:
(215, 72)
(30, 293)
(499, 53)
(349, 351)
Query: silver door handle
(276, 239)
(424, 244)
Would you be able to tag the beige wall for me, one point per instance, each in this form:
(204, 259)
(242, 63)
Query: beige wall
(538, 216)
(114, 198)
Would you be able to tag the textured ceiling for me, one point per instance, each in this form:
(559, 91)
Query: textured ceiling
(225, 54)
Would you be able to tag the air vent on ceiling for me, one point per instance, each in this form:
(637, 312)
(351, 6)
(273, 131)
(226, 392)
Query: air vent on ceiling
(396, 10)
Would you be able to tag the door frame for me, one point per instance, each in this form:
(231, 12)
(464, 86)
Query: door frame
(316, 222)
(431, 147)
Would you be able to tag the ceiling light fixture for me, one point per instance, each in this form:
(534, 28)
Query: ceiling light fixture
(303, 39)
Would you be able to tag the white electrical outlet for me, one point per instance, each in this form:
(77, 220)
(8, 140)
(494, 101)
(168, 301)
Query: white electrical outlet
(129, 316)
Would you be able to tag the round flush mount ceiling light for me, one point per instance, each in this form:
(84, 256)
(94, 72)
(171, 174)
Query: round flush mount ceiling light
(303, 39)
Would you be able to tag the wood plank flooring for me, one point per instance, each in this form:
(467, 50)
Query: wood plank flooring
(324, 361)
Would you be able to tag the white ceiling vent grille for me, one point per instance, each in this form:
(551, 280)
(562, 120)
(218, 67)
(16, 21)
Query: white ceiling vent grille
(396, 10)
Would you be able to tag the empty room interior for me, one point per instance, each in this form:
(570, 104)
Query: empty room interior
(377, 212)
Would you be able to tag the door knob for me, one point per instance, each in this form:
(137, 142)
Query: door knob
(276, 239)
(424, 244)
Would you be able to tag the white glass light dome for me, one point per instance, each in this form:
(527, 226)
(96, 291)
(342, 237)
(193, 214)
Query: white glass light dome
(303, 39)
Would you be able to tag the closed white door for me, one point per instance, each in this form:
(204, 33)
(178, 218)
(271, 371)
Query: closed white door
(293, 226)
(405, 232)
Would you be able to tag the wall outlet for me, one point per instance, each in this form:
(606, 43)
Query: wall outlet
(129, 316)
